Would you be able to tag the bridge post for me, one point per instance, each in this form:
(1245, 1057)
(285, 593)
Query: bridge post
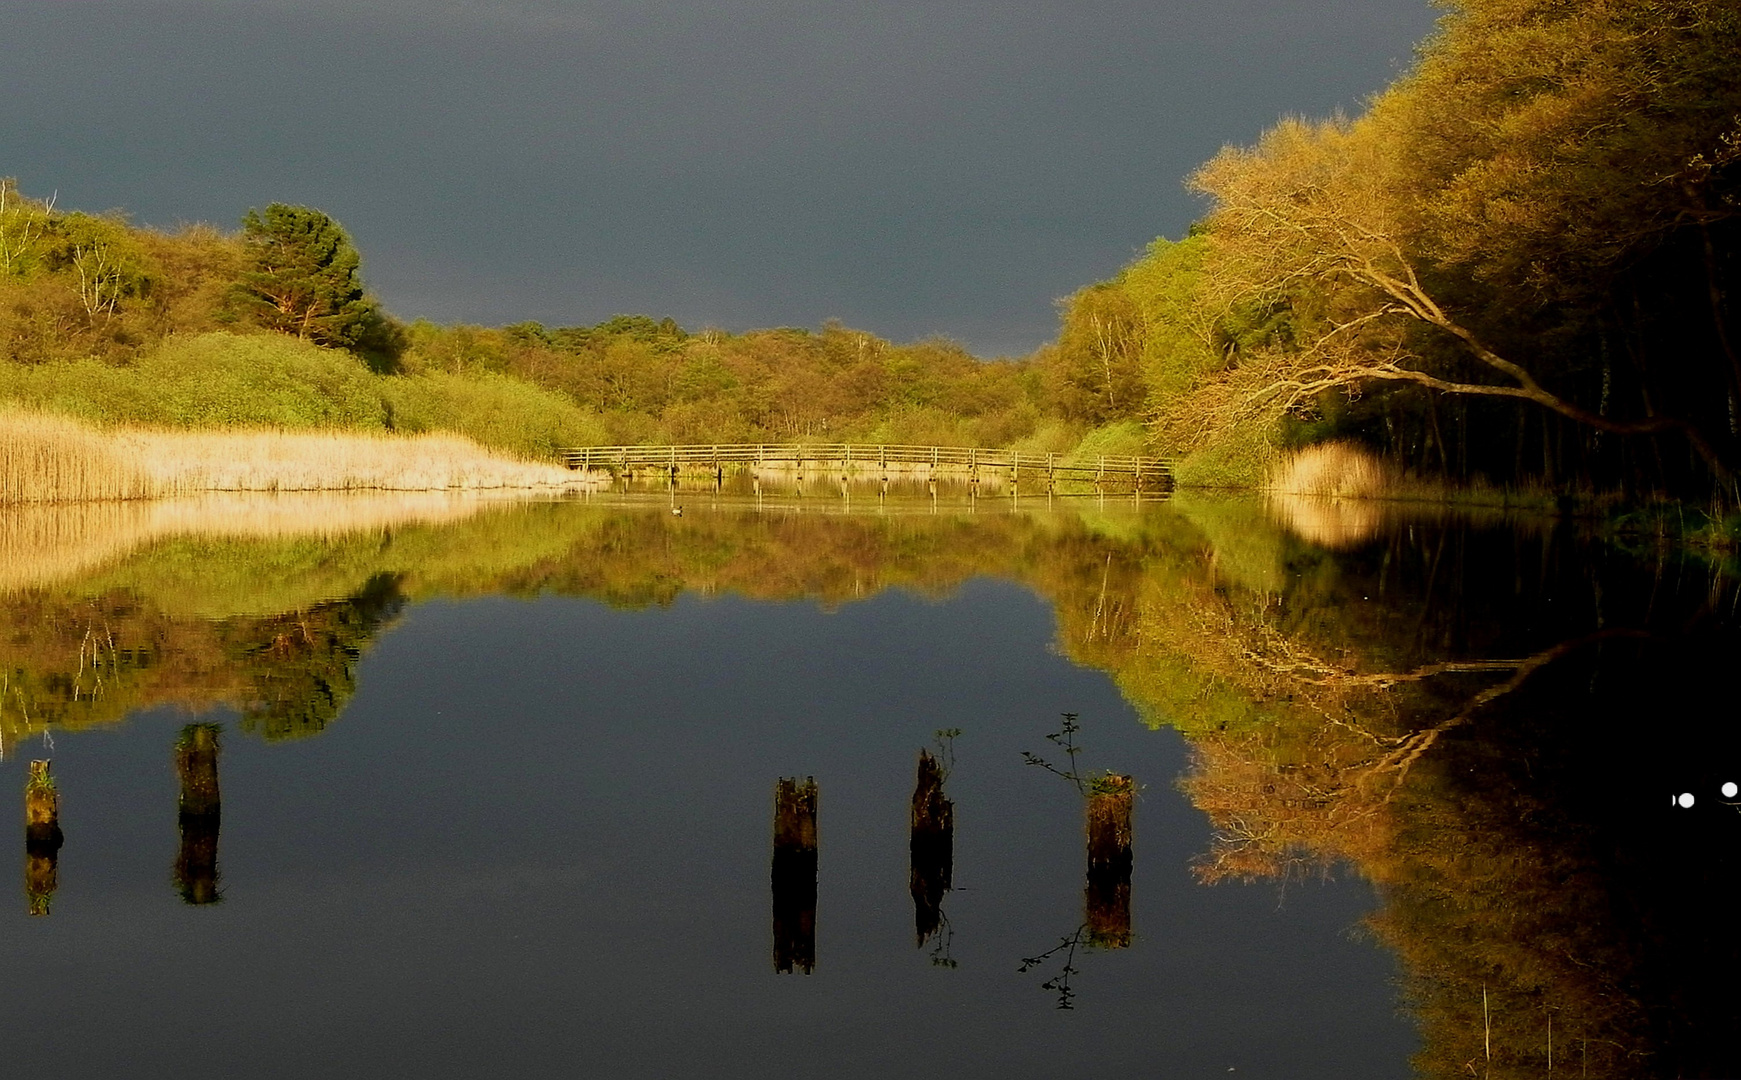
(1051, 472)
(1100, 477)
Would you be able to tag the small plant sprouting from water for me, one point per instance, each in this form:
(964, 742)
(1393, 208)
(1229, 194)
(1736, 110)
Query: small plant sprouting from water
(1102, 783)
(1064, 737)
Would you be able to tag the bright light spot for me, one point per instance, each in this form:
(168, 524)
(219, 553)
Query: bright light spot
(1686, 800)
(1730, 789)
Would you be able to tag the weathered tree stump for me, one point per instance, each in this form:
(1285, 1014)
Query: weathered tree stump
(1106, 899)
(196, 763)
(42, 837)
(794, 875)
(932, 848)
(196, 861)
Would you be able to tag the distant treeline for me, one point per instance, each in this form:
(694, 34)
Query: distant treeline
(195, 328)
(1519, 263)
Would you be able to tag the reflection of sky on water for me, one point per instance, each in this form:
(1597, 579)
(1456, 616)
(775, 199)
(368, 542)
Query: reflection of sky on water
(538, 842)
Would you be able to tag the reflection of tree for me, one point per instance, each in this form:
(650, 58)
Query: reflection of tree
(1448, 709)
(303, 665)
(1491, 800)
(1059, 983)
(92, 651)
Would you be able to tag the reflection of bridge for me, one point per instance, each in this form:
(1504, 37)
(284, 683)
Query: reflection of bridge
(879, 461)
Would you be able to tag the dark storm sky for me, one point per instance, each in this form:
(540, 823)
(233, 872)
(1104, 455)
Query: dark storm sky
(908, 167)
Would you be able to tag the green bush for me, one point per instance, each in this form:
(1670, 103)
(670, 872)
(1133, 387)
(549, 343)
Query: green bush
(1125, 438)
(208, 381)
(224, 380)
(496, 410)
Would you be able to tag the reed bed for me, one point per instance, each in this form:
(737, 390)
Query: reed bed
(1333, 470)
(56, 459)
(41, 544)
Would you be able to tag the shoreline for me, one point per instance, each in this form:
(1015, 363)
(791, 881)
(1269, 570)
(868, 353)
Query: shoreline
(47, 459)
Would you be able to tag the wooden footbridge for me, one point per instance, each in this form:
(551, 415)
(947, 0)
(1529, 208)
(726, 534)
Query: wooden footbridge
(878, 461)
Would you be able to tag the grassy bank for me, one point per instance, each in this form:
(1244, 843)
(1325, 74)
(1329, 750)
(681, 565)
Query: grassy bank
(45, 459)
(225, 381)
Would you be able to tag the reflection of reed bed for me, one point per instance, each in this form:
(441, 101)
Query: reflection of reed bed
(41, 544)
(55, 459)
(1330, 522)
(1339, 523)
(1339, 495)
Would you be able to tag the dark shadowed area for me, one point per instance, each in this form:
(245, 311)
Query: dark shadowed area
(910, 168)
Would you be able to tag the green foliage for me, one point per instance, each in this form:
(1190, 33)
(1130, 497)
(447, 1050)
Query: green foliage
(1094, 371)
(266, 380)
(305, 275)
(1124, 438)
(650, 381)
(24, 224)
(213, 380)
(1238, 455)
(494, 410)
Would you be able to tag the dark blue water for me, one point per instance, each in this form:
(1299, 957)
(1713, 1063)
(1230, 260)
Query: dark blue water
(537, 843)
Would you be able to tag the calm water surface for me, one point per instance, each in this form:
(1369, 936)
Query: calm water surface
(497, 794)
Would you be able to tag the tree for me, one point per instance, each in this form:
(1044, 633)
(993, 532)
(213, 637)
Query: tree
(304, 279)
(1097, 374)
(1542, 220)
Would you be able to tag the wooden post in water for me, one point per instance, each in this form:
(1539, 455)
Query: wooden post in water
(1106, 901)
(42, 837)
(932, 848)
(794, 875)
(196, 862)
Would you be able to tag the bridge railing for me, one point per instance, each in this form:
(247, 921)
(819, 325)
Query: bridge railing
(861, 455)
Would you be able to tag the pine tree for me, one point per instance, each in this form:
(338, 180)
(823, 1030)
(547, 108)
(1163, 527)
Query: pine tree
(304, 279)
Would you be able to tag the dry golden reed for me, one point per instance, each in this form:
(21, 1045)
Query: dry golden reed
(1332, 470)
(54, 459)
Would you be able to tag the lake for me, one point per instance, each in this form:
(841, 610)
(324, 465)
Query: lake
(434, 786)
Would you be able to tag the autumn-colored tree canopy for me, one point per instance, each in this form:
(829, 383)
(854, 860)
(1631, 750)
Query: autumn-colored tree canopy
(1518, 262)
